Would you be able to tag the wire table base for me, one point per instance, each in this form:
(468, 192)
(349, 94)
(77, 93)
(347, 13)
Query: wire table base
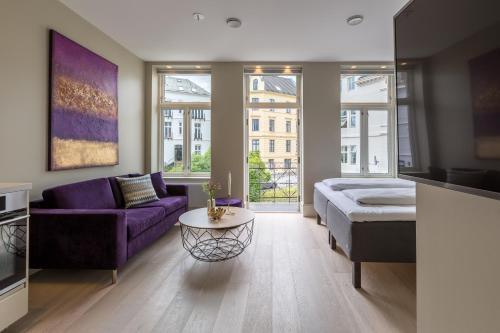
(213, 245)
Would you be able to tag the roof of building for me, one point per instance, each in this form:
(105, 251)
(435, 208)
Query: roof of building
(280, 84)
(176, 84)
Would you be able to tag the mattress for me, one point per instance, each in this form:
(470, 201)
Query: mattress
(366, 213)
(340, 184)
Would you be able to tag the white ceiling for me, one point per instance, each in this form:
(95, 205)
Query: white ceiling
(272, 30)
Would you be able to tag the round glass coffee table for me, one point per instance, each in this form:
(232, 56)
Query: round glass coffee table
(219, 240)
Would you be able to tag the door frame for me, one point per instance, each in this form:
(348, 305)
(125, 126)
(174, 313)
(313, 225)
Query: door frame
(248, 106)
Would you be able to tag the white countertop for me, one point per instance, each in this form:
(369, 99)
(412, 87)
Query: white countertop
(14, 187)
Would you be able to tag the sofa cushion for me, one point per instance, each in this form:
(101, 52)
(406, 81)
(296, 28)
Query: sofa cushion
(137, 190)
(117, 192)
(159, 185)
(168, 204)
(90, 194)
(141, 219)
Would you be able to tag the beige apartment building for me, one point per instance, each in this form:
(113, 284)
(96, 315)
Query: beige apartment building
(273, 132)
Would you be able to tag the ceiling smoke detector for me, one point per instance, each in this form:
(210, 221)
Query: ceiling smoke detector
(198, 17)
(233, 22)
(355, 19)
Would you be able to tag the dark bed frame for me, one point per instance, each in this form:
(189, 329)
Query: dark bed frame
(378, 241)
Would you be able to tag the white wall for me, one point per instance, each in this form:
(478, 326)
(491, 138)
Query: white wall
(24, 78)
(458, 267)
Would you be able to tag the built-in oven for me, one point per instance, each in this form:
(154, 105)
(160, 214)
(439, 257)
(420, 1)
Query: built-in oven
(13, 234)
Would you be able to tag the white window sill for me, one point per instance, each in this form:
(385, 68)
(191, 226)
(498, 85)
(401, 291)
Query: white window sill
(186, 179)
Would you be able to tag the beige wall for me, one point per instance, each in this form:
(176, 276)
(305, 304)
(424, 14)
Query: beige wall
(321, 142)
(24, 41)
(458, 271)
(321, 126)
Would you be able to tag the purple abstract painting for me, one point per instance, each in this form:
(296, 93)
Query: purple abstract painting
(83, 107)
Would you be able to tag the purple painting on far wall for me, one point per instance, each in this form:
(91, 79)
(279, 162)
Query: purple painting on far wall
(83, 107)
(485, 90)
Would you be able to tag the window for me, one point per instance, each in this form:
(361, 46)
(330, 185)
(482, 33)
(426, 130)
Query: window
(271, 146)
(168, 129)
(270, 163)
(343, 154)
(354, 155)
(197, 132)
(185, 104)
(366, 125)
(198, 114)
(178, 153)
(288, 146)
(255, 125)
(255, 145)
(277, 104)
(351, 83)
(348, 119)
(271, 125)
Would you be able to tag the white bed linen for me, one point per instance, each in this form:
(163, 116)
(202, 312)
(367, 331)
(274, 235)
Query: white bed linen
(339, 184)
(357, 213)
(382, 196)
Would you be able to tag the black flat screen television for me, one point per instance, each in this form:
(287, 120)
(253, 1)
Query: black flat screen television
(447, 55)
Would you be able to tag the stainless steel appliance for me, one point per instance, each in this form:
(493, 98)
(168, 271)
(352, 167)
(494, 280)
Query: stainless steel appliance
(14, 235)
(13, 232)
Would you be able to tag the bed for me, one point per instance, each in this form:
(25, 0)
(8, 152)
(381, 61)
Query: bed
(366, 233)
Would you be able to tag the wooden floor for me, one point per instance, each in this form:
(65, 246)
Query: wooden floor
(288, 280)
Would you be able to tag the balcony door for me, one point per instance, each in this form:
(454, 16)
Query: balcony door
(272, 117)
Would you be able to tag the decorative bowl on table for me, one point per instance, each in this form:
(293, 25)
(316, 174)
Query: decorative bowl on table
(216, 213)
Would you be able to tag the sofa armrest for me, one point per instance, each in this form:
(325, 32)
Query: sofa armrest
(78, 238)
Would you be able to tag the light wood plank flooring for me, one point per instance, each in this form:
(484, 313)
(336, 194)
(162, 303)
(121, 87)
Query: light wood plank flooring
(288, 280)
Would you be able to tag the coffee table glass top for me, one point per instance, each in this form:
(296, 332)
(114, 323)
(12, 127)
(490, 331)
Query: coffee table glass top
(198, 218)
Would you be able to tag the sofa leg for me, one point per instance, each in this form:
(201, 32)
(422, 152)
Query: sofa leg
(318, 219)
(333, 242)
(329, 237)
(114, 276)
(356, 274)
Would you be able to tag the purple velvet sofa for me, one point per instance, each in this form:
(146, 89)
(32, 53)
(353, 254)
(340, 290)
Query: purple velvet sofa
(85, 225)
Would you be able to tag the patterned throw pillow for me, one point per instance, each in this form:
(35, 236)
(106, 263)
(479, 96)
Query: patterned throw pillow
(137, 190)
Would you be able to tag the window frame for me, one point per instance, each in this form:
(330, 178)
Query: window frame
(250, 104)
(189, 109)
(362, 123)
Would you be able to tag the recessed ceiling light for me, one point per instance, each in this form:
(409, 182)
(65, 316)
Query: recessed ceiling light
(233, 22)
(355, 19)
(383, 66)
(198, 17)
(354, 67)
(169, 67)
(403, 64)
(198, 66)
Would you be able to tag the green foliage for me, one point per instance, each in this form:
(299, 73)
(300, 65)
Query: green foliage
(258, 174)
(201, 163)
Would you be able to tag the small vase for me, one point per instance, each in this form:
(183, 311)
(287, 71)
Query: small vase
(210, 204)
